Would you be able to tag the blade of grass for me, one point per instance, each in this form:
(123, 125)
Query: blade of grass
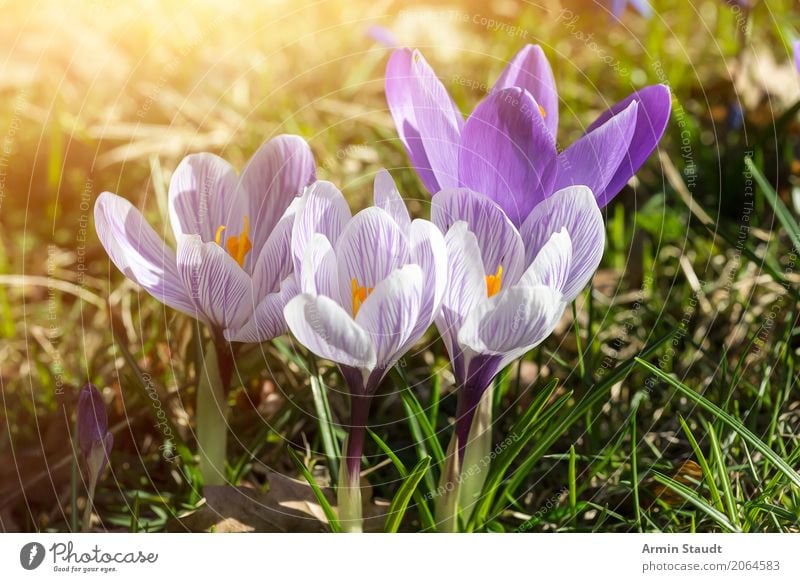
(333, 522)
(425, 515)
(691, 496)
(784, 216)
(397, 509)
(325, 422)
(727, 419)
(723, 474)
(708, 475)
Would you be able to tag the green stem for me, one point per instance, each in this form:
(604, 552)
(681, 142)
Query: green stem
(212, 412)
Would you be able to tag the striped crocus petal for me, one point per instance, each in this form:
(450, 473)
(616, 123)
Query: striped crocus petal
(137, 251)
(427, 249)
(464, 291)
(203, 197)
(325, 328)
(501, 247)
(511, 323)
(220, 290)
(322, 209)
(267, 320)
(390, 315)
(575, 210)
(387, 197)
(277, 173)
(370, 248)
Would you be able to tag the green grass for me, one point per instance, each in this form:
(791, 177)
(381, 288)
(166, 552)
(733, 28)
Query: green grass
(683, 349)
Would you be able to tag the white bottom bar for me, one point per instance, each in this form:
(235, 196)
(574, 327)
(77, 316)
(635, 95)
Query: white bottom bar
(490, 557)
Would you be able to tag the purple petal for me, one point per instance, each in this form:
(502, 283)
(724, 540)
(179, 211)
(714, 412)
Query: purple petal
(318, 274)
(92, 421)
(552, 264)
(593, 160)
(203, 197)
(652, 115)
(499, 241)
(439, 121)
(390, 314)
(220, 289)
(513, 322)
(274, 263)
(465, 290)
(399, 83)
(327, 330)
(507, 152)
(322, 210)
(370, 248)
(576, 210)
(267, 321)
(139, 252)
(427, 120)
(276, 174)
(530, 70)
(388, 198)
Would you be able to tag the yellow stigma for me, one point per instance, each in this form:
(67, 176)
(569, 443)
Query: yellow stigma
(494, 282)
(238, 246)
(360, 295)
(541, 110)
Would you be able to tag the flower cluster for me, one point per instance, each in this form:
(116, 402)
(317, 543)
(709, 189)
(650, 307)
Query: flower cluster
(515, 234)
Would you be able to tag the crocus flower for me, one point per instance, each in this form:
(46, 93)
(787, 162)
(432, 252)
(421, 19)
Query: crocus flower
(232, 269)
(504, 296)
(94, 441)
(506, 149)
(371, 284)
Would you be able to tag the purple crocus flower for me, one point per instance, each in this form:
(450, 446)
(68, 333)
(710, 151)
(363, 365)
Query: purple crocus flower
(94, 440)
(371, 284)
(504, 296)
(501, 174)
(506, 149)
(232, 269)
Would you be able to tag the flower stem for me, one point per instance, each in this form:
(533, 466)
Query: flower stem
(212, 412)
(349, 491)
